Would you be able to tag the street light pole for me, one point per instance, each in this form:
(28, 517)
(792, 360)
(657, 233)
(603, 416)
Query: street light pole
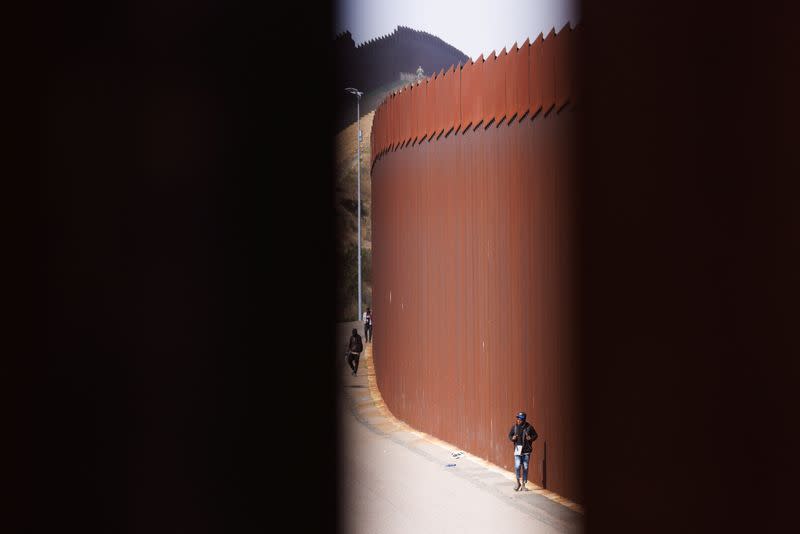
(358, 201)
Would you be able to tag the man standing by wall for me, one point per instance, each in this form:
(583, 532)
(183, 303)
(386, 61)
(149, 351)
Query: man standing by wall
(354, 351)
(522, 434)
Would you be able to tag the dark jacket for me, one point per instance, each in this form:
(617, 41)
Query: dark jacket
(355, 344)
(522, 432)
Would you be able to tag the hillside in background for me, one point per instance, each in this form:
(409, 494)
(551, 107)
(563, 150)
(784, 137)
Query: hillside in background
(346, 220)
(374, 67)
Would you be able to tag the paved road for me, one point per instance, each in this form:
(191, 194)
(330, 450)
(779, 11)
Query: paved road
(397, 481)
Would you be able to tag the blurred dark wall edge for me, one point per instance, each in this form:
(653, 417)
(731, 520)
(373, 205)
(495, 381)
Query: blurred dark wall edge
(688, 271)
(171, 308)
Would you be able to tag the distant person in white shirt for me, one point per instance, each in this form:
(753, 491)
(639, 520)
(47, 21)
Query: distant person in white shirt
(368, 325)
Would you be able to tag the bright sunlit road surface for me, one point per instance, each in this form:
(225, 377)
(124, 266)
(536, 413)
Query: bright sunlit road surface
(398, 482)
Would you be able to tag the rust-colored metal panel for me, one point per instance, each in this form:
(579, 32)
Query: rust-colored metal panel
(425, 123)
(434, 92)
(441, 116)
(374, 136)
(409, 105)
(384, 126)
(467, 99)
(378, 128)
(438, 101)
(385, 105)
(445, 100)
(488, 95)
(382, 129)
(408, 132)
(441, 101)
(430, 107)
(564, 66)
(471, 265)
(387, 119)
(478, 92)
(449, 116)
(425, 109)
(500, 102)
(535, 76)
(400, 118)
(451, 100)
(402, 111)
(385, 129)
(548, 72)
(457, 97)
(475, 90)
(420, 109)
(397, 121)
(393, 122)
(453, 107)
(406, 114)
(412, 112)
(517, 92)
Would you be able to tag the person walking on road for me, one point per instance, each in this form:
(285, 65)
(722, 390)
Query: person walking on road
(522, 434)
(368, 325)
(354, 351)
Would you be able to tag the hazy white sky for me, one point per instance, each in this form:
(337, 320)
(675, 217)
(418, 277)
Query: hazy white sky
(473, 26)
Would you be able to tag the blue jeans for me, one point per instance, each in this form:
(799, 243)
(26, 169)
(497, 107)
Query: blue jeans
(522, 459)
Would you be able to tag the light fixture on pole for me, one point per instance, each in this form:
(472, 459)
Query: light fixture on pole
(358, 94)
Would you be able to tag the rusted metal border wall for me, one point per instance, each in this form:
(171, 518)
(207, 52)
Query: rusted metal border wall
(472, 255)
(528, 79)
